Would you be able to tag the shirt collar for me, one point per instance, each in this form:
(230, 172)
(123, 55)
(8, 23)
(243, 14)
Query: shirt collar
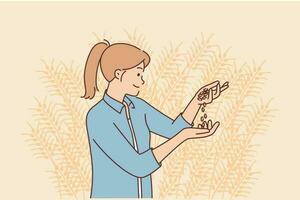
(116, 105)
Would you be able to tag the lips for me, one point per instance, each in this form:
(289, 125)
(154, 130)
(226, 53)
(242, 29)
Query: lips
(136, 86)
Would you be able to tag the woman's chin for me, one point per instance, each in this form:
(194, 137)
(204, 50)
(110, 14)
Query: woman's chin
(135, 93)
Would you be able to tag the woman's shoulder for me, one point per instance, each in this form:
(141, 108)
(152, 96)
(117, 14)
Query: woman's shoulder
(99, 110)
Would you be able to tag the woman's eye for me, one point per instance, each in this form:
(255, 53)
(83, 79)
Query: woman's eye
(138, 74)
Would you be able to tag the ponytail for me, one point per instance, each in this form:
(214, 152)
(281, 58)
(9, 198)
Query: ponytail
(91, 69)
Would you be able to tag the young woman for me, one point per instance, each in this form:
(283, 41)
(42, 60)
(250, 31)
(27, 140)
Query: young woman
(119, 125)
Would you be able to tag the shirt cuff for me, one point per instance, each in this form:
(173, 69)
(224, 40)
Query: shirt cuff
(180, 119)
(154, 158)
(151, 162)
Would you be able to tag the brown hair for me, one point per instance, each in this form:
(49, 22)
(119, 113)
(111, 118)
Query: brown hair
(110, 57)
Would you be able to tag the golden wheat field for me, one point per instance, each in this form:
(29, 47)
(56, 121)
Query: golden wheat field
(222, 166)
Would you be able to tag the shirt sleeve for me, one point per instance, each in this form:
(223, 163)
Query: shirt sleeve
(161, 124)
(109, 139)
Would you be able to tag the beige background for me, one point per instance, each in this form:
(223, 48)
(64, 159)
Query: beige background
(260, 31)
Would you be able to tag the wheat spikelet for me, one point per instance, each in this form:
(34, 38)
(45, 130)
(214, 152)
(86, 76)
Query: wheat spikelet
(246, 81)
(250, 80)
(200, 52)
(199, 170)
(171, 183)
(57, 83)
(169, 59)
(241, 187)
(63, 181)
(63, 150)
(44, 148)
(40, 143)
(64, 124)
(72, 109)
(101, 37)
(209, 63)
(260, 117)
(233, 75)
(51, 76)
(138, 39)
(219, 68)
(48, 115)
(71, 74)
(256, 78)
(178, 85)
(73, 81)
(220, 62)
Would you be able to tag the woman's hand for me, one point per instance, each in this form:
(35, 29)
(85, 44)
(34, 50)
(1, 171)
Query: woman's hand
(201, 132)
(204, 96)
(210, 92)
(163, 150)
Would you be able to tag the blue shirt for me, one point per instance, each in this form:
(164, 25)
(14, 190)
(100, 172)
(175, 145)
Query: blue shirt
(115, 163)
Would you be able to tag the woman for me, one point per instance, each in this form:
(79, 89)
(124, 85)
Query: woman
(119, 125)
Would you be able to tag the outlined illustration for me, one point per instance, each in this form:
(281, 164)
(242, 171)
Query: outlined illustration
(119, 125)
(221, 165)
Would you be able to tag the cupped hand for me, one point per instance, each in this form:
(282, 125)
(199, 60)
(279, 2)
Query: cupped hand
(202, 131)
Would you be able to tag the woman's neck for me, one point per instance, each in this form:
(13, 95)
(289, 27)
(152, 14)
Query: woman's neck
(115, 91)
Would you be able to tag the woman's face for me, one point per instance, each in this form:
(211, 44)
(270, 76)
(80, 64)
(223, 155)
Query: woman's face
(132, 79)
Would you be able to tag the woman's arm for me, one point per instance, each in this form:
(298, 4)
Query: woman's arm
(163, 150)
(191, 111)
(106, 137)
(159, 123)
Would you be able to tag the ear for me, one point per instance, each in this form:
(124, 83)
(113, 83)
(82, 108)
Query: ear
(118, 74)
